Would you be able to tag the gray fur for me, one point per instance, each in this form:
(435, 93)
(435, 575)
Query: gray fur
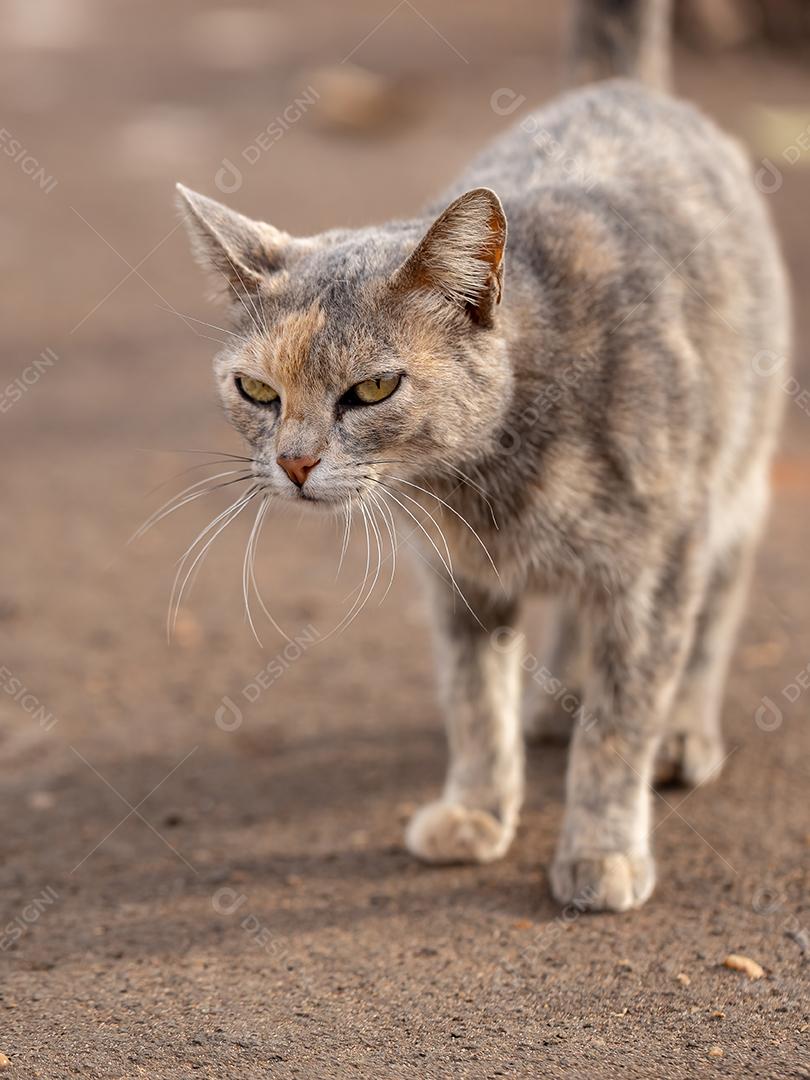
(598, 381)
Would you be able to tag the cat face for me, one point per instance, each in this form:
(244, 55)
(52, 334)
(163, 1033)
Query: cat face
(359, 354)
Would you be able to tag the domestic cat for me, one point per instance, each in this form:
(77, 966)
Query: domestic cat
(579, 404)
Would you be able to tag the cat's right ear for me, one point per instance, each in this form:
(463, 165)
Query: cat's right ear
(241, 252)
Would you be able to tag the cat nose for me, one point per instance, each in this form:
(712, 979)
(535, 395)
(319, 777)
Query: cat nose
(297, 468)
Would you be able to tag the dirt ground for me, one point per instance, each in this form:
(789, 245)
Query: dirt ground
(186, 889)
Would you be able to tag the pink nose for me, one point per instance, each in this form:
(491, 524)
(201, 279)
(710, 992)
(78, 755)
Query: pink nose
(297, 468)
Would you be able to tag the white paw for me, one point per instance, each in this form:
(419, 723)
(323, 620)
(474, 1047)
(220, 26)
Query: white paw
(690, 759)
(449, 833)
(614, 882)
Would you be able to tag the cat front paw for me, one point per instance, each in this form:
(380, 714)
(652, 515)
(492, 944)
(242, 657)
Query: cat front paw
(613, 882)
(445, 832)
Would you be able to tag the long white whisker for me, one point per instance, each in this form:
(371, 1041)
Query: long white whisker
(456, 513)
(182, 498)
(378, 539)
(449, 562)
(388, 519)
(360, 601)
(226, 517)
(259, 319)
(347, 514)
(245, 570)
(190, 469)
(477, 487)
(448, 566)
(256, 590)
(202, 322)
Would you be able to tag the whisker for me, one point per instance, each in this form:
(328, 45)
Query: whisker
(459, 472)
(347, 514)
(245, 574)
(457, 514)
(258, 320)
(385, 510)
(202, 322)
(360, 601)
(477, 487)
(445, 563)
(265, 507)
(222, 521)
(185, 472)
(183, 498)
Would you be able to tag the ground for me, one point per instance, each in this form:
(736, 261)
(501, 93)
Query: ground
(201, 866)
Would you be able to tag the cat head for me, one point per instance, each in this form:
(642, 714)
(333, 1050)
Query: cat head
(358, 353)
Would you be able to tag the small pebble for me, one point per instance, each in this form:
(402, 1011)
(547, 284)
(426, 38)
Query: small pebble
(749, 967)
(716, 1051)
(4, 1061)
(683, 978)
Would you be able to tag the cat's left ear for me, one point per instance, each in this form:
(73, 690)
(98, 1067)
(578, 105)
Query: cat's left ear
(243, 253)
(460, 258)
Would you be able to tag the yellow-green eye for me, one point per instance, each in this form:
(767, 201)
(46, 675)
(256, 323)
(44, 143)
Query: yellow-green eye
(257, 391)
(374, 390)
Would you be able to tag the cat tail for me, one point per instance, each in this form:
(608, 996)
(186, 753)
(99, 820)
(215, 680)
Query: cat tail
(629, 38)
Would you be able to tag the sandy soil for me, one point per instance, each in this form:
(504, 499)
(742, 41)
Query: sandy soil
(187, 891)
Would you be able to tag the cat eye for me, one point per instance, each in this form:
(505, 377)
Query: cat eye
(370, 391)
(254, 390)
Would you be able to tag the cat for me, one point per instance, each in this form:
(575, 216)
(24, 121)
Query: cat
(579, 402)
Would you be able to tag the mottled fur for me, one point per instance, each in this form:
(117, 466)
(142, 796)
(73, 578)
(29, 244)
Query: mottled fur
(596, 377)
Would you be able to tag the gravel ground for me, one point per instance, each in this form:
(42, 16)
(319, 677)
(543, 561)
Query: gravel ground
(192, 890)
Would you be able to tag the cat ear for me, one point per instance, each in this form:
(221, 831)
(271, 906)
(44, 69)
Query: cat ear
(460, 258)
(243, 252)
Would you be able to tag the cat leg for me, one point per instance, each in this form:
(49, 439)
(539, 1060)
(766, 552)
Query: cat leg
(692, 750)
(554, 679)
(639, 647)
(475, 818)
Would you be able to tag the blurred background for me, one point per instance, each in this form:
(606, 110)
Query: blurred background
(201, 864)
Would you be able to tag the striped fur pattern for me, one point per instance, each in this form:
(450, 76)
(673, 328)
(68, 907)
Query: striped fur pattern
(596, 381)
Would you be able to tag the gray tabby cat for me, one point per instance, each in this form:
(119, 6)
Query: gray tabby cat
(582, 405)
